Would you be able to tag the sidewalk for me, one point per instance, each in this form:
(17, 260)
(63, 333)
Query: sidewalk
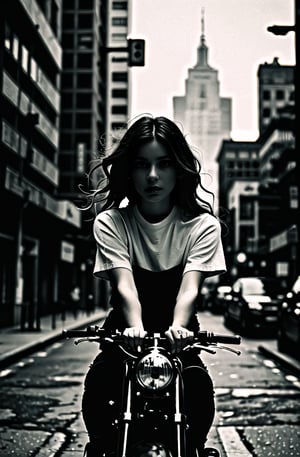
(269, 348)
(16, 343)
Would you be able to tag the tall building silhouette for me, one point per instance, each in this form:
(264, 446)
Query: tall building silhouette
(276, 92)
(203, 113)
(117, 71)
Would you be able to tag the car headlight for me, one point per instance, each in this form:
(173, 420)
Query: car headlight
(154, 371)
(255, 306)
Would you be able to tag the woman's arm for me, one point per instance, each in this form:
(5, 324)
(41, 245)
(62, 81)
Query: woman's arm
(186, 300)
(187, 297)
(123, 282)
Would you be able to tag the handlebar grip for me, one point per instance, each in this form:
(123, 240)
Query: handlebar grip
(229, 339)
(89, 331)
(208, 337)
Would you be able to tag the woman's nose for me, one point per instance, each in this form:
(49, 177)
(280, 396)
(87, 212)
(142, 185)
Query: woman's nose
(152, 174)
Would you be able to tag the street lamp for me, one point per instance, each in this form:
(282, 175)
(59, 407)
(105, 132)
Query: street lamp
(281, 29)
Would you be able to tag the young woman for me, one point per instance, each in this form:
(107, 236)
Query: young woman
(156, 253)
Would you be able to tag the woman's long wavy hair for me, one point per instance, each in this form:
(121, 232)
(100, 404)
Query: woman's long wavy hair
(115, 184)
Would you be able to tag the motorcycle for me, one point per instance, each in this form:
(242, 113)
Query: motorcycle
(152, 421)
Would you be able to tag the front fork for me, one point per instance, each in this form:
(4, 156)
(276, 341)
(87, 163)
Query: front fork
(126, 414)
(179, 416)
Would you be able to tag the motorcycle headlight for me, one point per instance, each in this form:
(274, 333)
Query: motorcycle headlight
(154, 371)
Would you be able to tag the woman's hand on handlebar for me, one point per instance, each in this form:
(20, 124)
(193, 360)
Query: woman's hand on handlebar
(134, 337)
(179, 337)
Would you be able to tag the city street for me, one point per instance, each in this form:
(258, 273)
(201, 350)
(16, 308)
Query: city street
(257, 401)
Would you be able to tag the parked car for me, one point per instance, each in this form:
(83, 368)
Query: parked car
(204, 296)
(215, 301)
(288, 338)
(253, 303)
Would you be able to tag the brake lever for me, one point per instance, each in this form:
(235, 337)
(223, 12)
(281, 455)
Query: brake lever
(88, 339)
(229, 349)
(204, 348)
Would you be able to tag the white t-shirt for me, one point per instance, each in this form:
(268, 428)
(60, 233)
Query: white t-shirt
(125, 239)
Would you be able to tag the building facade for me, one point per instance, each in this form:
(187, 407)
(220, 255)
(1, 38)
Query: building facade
(260, 193)
(276, 91)
(53, 119)
(83, 124)
(204, 114)
(117, 107)
(34, 250)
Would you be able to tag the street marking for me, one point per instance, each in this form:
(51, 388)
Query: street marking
(232, 443)
(4, 373)
(54, 445)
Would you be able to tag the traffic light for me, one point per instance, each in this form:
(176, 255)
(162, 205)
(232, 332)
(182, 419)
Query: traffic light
(136, 53)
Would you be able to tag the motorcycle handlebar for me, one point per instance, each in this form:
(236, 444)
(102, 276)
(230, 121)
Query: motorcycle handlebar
(203, 337)
(210, 337)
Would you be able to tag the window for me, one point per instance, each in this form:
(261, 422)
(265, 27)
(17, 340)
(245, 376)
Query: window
(119, 109)
(7, 37)
(246, 208)
(86, 4)
(85, 41)
(246, 234)
(119, 5)
(67, 100)
(66, 121)
(84, 81)
(230, 155)
(202, 91)
(15, 47)
(266, 112)
(243, 155)
(266, 95)
(83, 121)
(119, 21)
(68, 60)
(68, 41)
(120, 76)
(84, 101)
(25, 59)
(69, 4)
(118, 125)
(84, 61)
(33, 69)
(68, 21)
(280, 94)
(85, 21)
(54, 17)
(119, 59)
(67, 81)
(66, 141)
(119, 93)
(66, 161)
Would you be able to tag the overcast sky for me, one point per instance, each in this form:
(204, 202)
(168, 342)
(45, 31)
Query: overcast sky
(237, 39)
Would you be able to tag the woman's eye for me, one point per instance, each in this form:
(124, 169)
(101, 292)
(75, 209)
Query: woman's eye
(140, 164)
(166, 163)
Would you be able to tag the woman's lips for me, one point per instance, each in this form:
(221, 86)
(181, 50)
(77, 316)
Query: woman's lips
(153, 189)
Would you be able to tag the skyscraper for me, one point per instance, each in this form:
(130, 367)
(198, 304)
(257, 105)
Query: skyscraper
(203, 113)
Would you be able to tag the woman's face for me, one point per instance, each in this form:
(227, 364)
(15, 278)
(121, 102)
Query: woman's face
(154, 174)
